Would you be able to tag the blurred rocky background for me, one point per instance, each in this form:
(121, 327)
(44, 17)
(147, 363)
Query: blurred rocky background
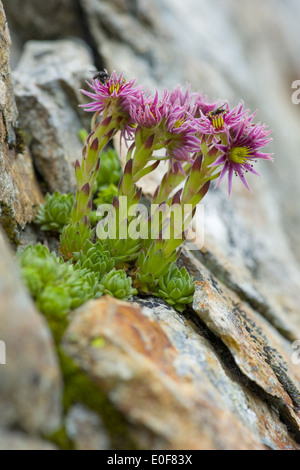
(224, 375)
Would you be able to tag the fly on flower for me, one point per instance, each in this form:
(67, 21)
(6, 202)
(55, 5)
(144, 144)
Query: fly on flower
(111, 93)
(111, 99)
(220, 118)
(102, 76)
(216, 112)
(216, 117)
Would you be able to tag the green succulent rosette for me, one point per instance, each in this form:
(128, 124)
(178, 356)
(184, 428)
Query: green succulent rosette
(151, 265)
(38, 267)
(124, 249)
(54, 301)
(176, 287)
(55, 213)
(55, 285)
(106, 194)
(73, 238)
(117, 284)
(94, 257)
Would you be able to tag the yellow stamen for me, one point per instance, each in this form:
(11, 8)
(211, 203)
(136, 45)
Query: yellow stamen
(113, 87)
(239, 154)
(179, 123)
(218, 122)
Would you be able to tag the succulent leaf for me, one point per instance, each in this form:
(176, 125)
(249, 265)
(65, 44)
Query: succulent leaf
(73, 238)
(125, 249)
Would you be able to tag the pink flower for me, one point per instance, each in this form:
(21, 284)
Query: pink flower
(195, 102)
(202, 106)
(180, 97)
(114, 92)
(113, 96)
(181, 133)
(240, 147)
(171, 123)
(220, 118)
(149, 111)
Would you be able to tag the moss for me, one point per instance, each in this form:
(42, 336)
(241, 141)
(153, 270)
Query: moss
(17, 138)
(58, 327)
(98, 342)
(61, 439)
(9, 224)
(78, 388)
(22, 139)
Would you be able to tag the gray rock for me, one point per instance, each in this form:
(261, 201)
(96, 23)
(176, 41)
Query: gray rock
(30, 386)
(42, 20)
(86, 430)
(14, 440)
(47, 82)
(8, 105)
(204, 360)
(131, 37)
(262, 269)
(16, 49)
(260, 353)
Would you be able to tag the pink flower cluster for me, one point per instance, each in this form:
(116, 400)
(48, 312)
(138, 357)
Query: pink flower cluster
(185, 124)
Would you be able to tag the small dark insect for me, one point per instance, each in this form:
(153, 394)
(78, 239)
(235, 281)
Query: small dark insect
(216, 117)
(217, 111)
(102, 76)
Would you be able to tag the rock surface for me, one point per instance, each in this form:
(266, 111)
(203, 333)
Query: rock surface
(259, 351)
(134, 366)
(13, 440)
(86, 430)
(43, 20)
(19, 191)
(30, 381)
(47, 83)
(160, 368)
(251, 263)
